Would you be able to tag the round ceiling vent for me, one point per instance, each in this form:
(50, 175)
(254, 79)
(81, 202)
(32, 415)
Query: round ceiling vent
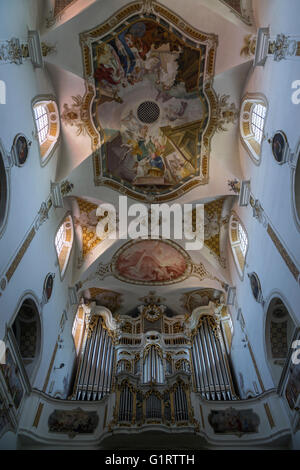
(148, 112)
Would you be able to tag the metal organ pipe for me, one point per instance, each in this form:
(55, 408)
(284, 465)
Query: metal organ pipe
(153, 366)
(95, 374)
(211, 369)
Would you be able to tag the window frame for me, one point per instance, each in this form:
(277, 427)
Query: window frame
(239, 255)
(63, 258)
(48, 146)
(247, 134)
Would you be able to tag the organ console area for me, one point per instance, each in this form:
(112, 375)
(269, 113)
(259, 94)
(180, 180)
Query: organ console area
(152, 361)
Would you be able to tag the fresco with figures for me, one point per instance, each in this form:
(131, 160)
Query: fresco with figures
(150, 106)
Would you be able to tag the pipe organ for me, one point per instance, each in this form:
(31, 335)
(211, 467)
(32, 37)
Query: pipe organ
(152, 362)
(212, 374)
(94, 375)
(165, 405)
(153, 370)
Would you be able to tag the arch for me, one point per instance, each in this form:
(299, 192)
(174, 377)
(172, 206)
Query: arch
(47, 124)
(296, 187)
(239, 243)
(252, 124)
(279, 331)
(4, 190)
(63, 243)
(26, 328)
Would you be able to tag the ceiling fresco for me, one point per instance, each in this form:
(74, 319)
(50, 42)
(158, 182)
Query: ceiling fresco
(104, 297)
(85, 221)
(199, 298)
(151, 261)
(149, 86)
(213, 222)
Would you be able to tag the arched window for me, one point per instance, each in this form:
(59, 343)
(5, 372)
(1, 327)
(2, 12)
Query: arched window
(63, 243)
(280, 329)
(252, 124)
(47, 127)
(239, 243)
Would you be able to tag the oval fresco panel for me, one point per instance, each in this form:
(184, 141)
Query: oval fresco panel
(151, 262)
(279, 143)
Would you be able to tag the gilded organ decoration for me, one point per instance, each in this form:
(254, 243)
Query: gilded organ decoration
(152, 312)
(150, 88)
(151, 373)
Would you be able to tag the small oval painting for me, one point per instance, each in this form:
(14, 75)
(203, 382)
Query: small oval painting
(151, 261)
(48, 285)
(278, 146)
(21, 149)
(255, 285)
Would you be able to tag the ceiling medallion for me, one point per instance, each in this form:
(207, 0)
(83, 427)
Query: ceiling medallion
(151, 106)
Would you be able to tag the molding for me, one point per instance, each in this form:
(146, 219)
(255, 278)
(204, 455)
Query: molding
(262, 45)
(35, 49)
(73, 296)
(244, 195)
(231, 296)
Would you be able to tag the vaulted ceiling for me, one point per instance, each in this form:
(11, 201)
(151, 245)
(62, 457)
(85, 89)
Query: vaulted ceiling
(149, 96)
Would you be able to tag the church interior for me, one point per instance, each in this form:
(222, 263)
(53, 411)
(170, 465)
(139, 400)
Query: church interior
(139, 343)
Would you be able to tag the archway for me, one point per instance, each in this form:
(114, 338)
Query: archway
(27, 331)
(279, 332)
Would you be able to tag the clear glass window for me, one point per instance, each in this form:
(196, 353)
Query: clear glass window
(42, 122)
(243, 239)
(257, 121)
(60, 238)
